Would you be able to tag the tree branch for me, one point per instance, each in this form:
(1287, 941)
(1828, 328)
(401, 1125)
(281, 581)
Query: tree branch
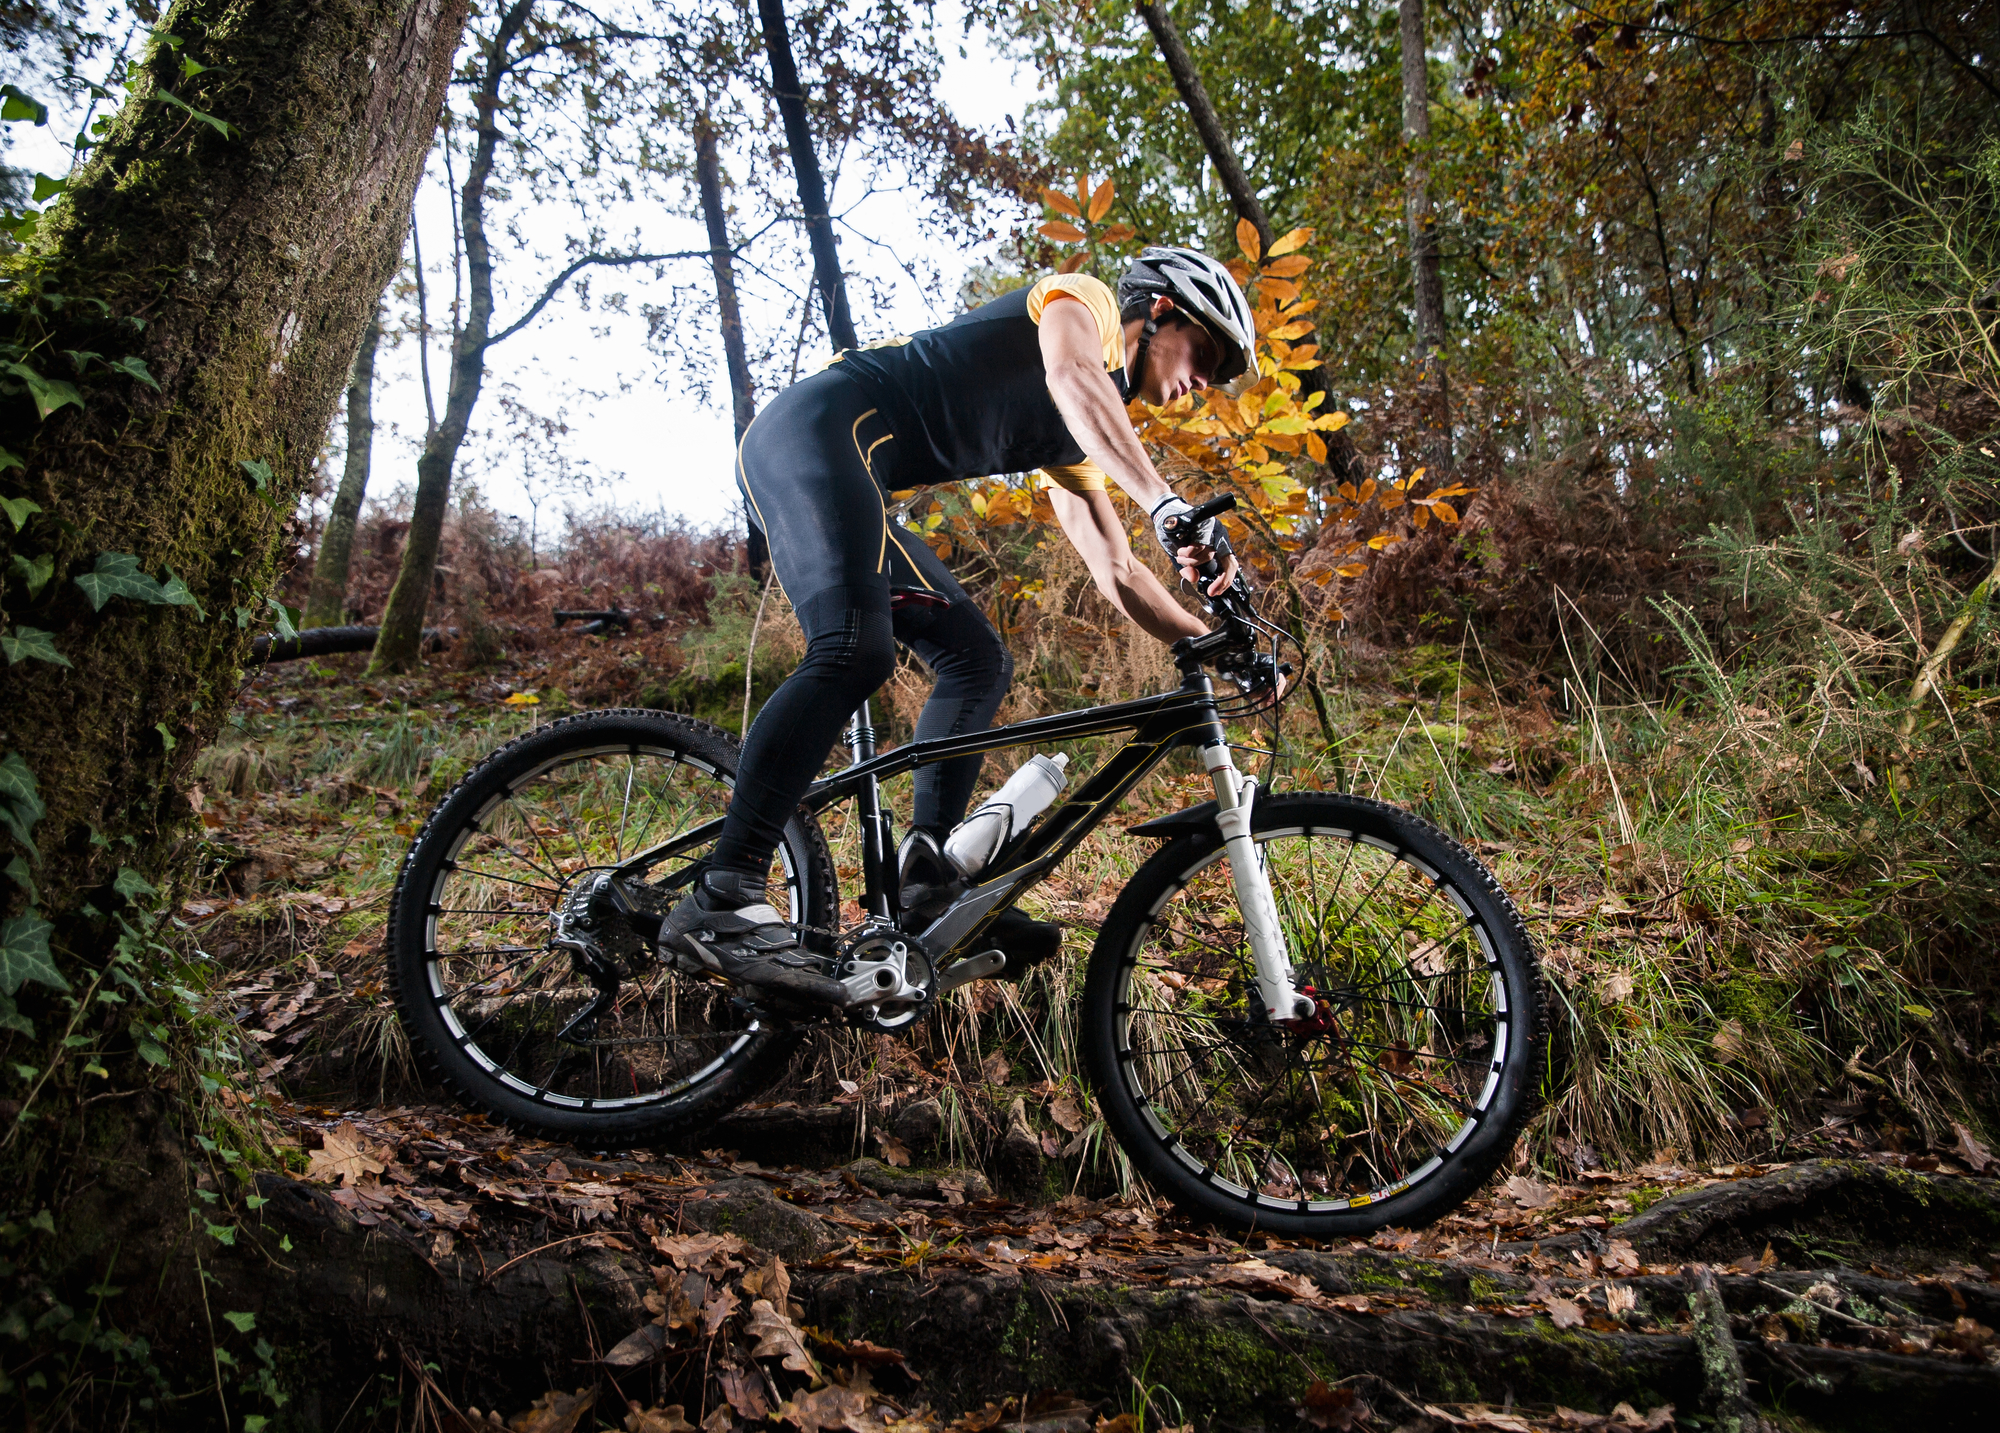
(1220, 152)
(612, 261)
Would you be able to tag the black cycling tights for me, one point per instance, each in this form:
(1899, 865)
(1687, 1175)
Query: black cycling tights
(815, 466)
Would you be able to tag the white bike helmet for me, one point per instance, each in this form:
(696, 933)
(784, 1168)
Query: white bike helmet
(1202, 289)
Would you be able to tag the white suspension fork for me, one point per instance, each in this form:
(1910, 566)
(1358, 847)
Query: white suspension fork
(1233, 798)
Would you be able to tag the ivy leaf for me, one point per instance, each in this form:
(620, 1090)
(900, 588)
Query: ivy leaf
(286, 631)
(242, 1323)
(19, 105)
(17, 871)
(174, 593)
(35, 571)
(134, 367)
(8, 460)
(259, 471)
(49, 393)
(19, 509)
(24, 954)
(133, 886)
(12, 1019)
(25, 642)
(220, 126)
(20, 800)
(117, 574)
(47, 188)
(190, 67)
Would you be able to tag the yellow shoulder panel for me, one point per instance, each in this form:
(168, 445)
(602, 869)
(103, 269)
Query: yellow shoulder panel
(1095, 295)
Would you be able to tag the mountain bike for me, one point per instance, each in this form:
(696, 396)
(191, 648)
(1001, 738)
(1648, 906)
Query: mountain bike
(1307, 1012)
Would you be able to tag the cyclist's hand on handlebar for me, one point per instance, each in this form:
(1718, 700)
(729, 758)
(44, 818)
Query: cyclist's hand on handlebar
(1219, 561)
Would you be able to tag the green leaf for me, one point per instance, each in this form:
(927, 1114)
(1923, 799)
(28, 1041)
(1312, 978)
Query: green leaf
(19, 509)
(49, 393)
(255, 1423)
(20, 800)
(135, 367)
(241, 1322)
(174, 593)
(221, 1233)
(16, 870)
(47, 188)
(191, 67)
(117, 574)
(25, 642)
(285, 628)
(24, 954)
(8, 460)
(259, 471)
(221, 127)
(151, 1052)
(35, 571)
(12, 1019)
(132, 886)
(19, 105)
(166, 736)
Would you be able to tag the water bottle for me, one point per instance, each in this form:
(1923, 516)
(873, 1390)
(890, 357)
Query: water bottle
(976, 839)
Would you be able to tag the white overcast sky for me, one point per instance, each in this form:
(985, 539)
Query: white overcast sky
(653, 446)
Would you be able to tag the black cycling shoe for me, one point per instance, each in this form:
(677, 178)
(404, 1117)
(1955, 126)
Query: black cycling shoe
(1025, 942)
(723, 925)
(927, 881)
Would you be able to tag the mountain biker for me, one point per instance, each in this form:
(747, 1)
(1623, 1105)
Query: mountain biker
(1038, 378)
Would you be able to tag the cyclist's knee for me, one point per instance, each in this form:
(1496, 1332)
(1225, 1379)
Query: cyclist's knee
(853, 645)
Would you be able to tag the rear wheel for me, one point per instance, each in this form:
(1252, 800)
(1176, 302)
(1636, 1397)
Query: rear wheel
(1395, 1101)
(624, 1054)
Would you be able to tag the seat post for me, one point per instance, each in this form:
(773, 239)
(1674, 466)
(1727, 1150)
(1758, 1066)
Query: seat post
(877, 841)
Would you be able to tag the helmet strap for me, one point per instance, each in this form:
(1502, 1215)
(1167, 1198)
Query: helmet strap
(1135, 371)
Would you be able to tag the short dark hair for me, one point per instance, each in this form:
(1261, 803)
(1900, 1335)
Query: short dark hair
(1142, 307)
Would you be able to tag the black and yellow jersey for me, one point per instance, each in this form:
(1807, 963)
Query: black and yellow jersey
(971, 398)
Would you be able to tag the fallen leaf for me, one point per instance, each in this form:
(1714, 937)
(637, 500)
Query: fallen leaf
(1977, 1156)
(1618, 988)
(642, 1345)
(343, 1158)
(744, 1389)
(554, 1412)
(830, 1408)
(693, 1251)
(778, 1337)
(557, 1171)
(1333, 1408)
(1728, 1040)
(1064, 1112)
(994, 1069)
(1563, 1313)
(1620, 1300)
(1528, 1192)
(1620, 1257)
(772, 1281)
(894, 1151)
(671, 1419)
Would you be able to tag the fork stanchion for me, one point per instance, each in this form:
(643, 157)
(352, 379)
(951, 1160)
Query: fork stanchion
(875, 844)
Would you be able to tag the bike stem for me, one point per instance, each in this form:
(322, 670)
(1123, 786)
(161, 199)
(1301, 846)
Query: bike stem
(1233, 799)
(876, 843)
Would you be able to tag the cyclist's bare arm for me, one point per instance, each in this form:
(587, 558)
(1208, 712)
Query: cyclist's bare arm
(1073, 358)
(1091, 524)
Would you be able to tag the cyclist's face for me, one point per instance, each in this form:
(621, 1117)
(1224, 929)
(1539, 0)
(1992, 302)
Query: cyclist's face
(1183, 358)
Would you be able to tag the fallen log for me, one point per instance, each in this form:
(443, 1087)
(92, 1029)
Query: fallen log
(331, 641)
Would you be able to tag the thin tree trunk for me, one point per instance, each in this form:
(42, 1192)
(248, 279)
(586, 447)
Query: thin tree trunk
(1433, 382)
(743, 395)
(1194, 94)
(401, 642)
(1341, 457)
(790, 95)
(327, 604)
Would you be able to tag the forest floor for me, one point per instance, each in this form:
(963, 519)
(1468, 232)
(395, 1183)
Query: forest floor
(993, 1273)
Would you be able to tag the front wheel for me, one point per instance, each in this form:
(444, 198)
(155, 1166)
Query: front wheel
(613, 1056)
(1395, 1101)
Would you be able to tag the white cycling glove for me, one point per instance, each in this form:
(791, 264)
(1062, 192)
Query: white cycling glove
(1205, 534)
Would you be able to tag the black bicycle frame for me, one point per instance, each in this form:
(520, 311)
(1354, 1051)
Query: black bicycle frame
(1184, 717)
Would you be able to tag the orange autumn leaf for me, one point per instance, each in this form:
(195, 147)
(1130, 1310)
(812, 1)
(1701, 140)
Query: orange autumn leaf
(1238, 270)
(1445, 512)
(1296, 239)
(1083, 188)
(1280, 288)
(1289, 268)
(1100, 202)
(1118, 233)
(1316, 447)
(1062, 233)
(1291, 330)
(1073, 262)
(1061, 203)
(1247, 240)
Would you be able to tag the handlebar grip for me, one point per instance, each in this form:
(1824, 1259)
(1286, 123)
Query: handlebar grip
(1209, 509)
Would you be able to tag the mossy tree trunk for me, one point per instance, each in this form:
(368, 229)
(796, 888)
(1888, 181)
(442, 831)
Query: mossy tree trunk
(327, 605)
(226, 246)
